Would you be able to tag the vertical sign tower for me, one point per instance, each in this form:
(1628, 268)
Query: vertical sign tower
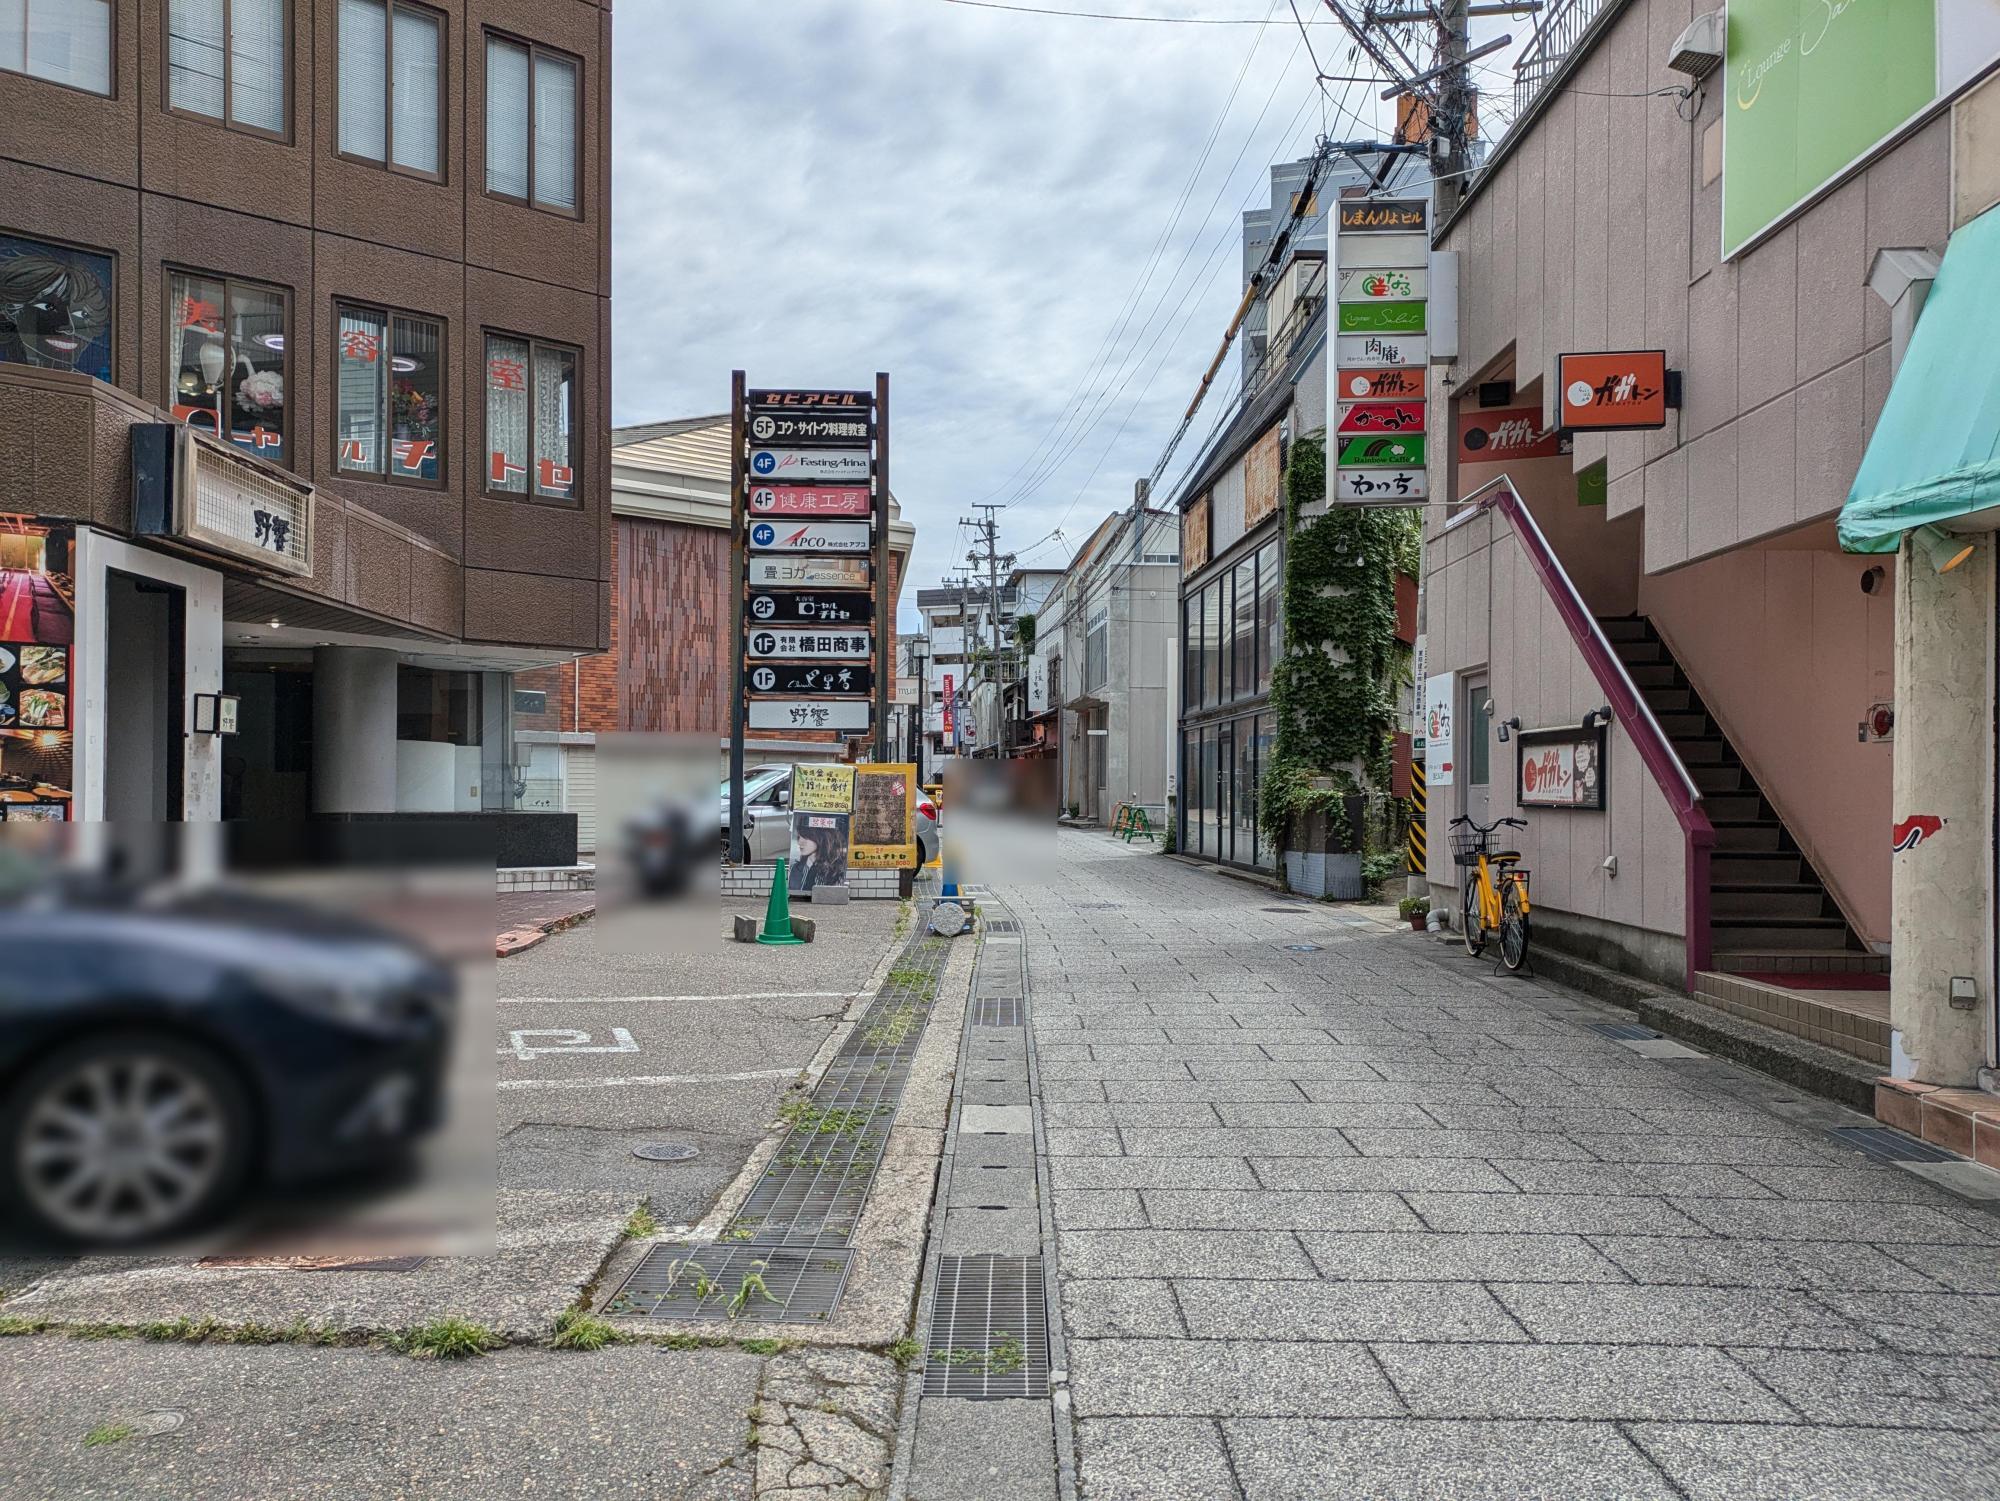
(810, 598)
(1375, 451)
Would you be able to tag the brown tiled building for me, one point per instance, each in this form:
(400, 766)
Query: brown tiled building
(339, 274)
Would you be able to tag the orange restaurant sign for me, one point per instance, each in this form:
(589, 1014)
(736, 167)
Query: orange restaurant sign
(1612, 392)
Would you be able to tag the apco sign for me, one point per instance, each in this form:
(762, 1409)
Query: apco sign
(1375, 216)
(802, 643)
(811, 607)
(1509, 433)
(809, 536)
(810, 500)
(1382, 417)
(809, 573)
(796, 679)
(828, 428)
(787, 464)
(849, 715)
(1615, 392)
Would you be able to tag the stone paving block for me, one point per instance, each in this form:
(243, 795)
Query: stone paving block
(1562, 1118)
(1393, 1174)
(1120, 1307)
(1153, 1459)
(1070, 1141)
(1091, 1113)
(1433, 1256)
(1384, 1091)
(981, 1451)
(1924, 1323)
(1861, 1185)
(1194, 1113)
(1634, 1178)
(1775, 1317)
(1202, 1209)
(1135, 1091)
(1149, 1172)
(1870, 1387)
(1226, 1378)
(1286, 1034)
(1296, 1310)
(1129, 1052)
(1405, 1460)
(1602, 1382)
(1801, 1264)
(1241, 1069)
(1793, 1219)
(1181, 1253)
(1720, 1462)
(1962, 1269)
(1006, 1119)
(1737, 1151)
(1261, 1141)
(1435, 1142)
(1099, 1209)
(1533, 1213)
(1093, 1069)
(1296, 1114)
(1082, 1091)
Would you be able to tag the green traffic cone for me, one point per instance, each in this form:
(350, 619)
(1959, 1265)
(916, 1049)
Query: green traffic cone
(778, 912)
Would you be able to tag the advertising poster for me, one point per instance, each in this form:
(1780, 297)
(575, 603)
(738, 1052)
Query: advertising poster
(37, 628)
(55, 307)
(822, 789)
(1561, 768)
(1440, 694)
(819, 851)
(885, 809)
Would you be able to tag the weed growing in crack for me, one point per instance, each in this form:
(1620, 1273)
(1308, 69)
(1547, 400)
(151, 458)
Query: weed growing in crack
(14, 1324)
(108, 1433)
(751, 1286)
(576, 1329)
(446, 1339)
(1003, 1359)
(905, 1352)
(640, 1224)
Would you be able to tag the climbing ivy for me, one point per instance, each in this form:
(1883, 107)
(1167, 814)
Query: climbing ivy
(1333, 691)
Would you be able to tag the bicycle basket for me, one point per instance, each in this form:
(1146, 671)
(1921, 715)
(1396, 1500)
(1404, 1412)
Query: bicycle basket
(1468, 844)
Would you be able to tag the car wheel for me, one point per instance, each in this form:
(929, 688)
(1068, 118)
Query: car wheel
(124, 1139)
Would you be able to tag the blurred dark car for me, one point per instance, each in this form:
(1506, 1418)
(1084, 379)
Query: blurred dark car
(162, 1060)
(661, 848)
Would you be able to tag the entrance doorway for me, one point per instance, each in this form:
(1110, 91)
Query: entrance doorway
(267, 764)
(145, 699)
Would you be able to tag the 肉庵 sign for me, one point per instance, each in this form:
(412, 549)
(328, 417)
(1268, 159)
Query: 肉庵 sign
(1560, 768)
(1612, 392)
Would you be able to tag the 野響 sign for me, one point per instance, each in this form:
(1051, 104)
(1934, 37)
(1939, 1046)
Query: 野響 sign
(846, 715)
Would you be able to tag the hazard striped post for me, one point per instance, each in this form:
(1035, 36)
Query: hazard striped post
(1419, 831)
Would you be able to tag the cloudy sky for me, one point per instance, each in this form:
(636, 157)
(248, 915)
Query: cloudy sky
(813, 190)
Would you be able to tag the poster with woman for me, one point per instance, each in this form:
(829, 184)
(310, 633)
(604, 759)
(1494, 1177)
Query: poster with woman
(819, 852)
(55, 306)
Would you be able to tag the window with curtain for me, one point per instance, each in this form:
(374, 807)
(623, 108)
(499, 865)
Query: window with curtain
(1190, 654)
(391, 84)
(226, 60)
(226, 360)
(58, 41)
(1243, 638)
(389, 395)
(1267, 613)
(1211, 645)
(533, 124)
(531, 418)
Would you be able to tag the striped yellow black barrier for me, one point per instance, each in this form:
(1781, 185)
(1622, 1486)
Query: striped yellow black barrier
(1419, 834)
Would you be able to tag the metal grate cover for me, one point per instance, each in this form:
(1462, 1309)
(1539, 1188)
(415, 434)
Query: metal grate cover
(1886, 1144)
(683, 1281)
(1002, 925)
(1292, 911)
(1302, 948)
(999, 1011)
(1622, 1031)
(989, 1329)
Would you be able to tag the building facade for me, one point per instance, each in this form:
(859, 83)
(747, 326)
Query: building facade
(304, 370)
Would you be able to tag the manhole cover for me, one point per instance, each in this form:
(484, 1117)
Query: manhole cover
(153, 1424)
(1303, 948)
(989, 1329)
(1622, 1031)
(665, 1151)
(1886, 1144)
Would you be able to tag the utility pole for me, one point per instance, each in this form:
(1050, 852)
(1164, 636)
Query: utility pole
(1450, 144)
(987, 530)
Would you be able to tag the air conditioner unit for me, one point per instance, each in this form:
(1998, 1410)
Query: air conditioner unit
(1698, 50)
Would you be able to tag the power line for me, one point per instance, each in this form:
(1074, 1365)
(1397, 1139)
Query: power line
(1102, 15)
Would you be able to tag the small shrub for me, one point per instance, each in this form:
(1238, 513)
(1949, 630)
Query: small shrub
(579, 1330)
(448, 1339)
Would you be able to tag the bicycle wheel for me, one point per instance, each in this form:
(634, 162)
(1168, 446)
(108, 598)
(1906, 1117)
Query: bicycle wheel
(1513, 928)
(1470, 925)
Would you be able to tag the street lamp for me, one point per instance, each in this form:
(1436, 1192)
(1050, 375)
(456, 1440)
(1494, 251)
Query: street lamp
(920, 658)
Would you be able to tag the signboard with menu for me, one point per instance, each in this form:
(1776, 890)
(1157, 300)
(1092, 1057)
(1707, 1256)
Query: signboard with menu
(1561, 768)
(883, 832)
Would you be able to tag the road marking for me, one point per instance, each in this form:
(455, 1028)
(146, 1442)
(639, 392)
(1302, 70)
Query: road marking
(564, 1040)
(743, 1078)
(748, 995)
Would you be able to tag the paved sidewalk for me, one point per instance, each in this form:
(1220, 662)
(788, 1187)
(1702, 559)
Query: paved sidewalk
(1364, 1221)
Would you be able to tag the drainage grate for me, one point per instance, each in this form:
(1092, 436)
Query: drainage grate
(1621, 1031)
(680, 1281)
(999, 1011)
(1886, 1144)
(1302, 948)
(1002, 925)
(1296, 911)
(1095, 906)
(989, 1329)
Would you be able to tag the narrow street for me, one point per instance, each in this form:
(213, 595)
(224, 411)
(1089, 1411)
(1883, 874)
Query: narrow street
(1363, 1220)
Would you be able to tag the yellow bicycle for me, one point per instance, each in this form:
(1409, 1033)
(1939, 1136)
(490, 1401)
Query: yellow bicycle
(1495, 899)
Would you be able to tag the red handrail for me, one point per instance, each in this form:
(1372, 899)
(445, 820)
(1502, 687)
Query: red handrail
(1630, 708)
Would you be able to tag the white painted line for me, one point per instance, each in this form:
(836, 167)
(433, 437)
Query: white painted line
(748, 995)
(743, 1078)
(561, 1040)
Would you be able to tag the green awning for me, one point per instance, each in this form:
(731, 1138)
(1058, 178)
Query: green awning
(1935, 453)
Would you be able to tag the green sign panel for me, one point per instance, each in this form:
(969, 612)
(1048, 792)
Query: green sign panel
(1382, 317)
(1811, 86)
(1390, 452)
(1593, 483)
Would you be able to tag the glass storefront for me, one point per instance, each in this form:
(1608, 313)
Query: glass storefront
(1230, 639)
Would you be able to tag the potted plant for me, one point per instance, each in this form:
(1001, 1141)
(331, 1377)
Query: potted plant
(1416, 909)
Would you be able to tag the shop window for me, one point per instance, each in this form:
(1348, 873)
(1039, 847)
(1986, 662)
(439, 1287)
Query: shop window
(1097, 649)
(226, 61)
(392, 85)
(389, 395)
(534, 115)
(1243, 638)
(440, 707)
(58, 41)
(1190, 654)
(55, 304)
(1267, 613)
(226, 360)
(531, 418)
(1212, 692)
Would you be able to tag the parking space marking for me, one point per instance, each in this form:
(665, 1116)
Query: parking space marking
(742, 1078)
(743, 995)
(564, 1040)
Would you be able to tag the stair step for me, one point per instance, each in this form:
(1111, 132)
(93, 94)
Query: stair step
(1675, 726)
(1742, 902)
(1766, 838)
(1654, 675)
(1704, 750)
(1669, 699)
(1618, 628)
(1725, 777)
(1728, 867)
(1781, 959)
(1812, 934)
(1736, 807)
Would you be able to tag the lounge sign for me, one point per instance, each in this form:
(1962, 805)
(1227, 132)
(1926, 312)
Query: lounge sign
(1617, 392)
